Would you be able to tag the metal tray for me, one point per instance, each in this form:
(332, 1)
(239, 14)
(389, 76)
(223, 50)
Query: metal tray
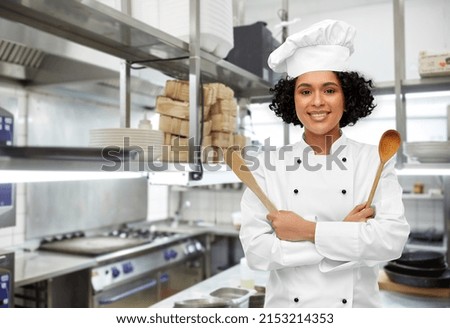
(208, 302)
(235, 296)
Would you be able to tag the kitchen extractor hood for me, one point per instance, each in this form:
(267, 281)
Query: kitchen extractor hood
(36, 59)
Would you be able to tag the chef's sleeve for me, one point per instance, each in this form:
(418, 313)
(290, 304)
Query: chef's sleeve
(262, 248)
(379, 239)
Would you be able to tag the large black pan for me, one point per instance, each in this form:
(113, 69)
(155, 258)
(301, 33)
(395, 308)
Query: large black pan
(426, 269)
(417, 271)
(442, 281)
(422, 259)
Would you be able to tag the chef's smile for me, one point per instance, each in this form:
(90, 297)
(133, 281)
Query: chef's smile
(319, 103)
(319, 116)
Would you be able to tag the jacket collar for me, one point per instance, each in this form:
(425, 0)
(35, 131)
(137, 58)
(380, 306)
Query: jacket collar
(342, 141)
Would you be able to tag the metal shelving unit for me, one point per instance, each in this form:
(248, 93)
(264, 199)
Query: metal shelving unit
(414, 86)
(401, 88)
(93, 24)
(100, 27)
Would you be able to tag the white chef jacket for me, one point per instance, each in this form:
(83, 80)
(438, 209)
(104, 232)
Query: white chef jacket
(341, 268)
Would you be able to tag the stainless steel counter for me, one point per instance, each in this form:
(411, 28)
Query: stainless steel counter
(227, 278)
(36, 266)
(33, 266)
(200, 228)
(231, 278)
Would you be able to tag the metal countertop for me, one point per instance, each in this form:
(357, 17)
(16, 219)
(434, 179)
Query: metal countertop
(39, 265)
(231, 278)
(36, 266)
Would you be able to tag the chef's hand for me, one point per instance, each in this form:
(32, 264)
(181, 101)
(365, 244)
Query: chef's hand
(291, 226)
(360, 214)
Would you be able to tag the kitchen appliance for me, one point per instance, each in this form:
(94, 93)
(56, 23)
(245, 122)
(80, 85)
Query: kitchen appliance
(252, 46)
(142, 280)
(7, 212)
(6, 279)
(136, 267)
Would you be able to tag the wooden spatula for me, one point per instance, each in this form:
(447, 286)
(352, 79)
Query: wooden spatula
(240, 168)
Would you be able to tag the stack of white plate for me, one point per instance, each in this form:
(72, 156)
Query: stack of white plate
(429, 152)
(147, 142)
(216, 23)
(172, 17)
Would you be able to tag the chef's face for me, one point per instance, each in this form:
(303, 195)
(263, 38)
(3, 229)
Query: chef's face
(319, 102)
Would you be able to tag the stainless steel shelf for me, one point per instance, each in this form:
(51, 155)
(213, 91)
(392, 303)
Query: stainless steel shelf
(100, 27)
(65, 159)
(422, 197)
(429, 84)
(176, 175)
(442, 169)
(111, 160)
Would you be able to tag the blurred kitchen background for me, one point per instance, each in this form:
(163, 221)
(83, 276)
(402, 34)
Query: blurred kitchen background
(63, 89)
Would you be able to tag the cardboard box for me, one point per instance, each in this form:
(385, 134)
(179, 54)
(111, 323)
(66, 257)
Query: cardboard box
(240, 140)
(224, 106)
(174, 140)
(434, 64)
(221, 90)
(223, 123)
(180, 153)
(179, 90)
(179, 127)
(222, 139)
(180, 109)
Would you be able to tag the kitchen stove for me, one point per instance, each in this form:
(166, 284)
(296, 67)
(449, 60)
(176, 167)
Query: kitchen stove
(146, 233)
(136, 265)
(118, 239)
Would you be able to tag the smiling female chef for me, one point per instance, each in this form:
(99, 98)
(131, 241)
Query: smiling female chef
(323, 247)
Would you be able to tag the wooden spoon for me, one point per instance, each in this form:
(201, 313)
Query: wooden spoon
(240, 168)
(388, 146)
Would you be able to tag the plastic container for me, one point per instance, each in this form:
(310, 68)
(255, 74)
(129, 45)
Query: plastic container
(145, 123)
(247, 275)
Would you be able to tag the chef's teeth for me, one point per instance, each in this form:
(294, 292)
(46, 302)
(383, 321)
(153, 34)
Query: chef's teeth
(318, 114)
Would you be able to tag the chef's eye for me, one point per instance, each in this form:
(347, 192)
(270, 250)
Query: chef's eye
(330, 91)
(305, 92)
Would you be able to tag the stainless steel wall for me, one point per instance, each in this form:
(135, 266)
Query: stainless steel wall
(60, 207)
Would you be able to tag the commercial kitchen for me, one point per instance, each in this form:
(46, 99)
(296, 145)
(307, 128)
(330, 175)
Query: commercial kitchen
(98, 205)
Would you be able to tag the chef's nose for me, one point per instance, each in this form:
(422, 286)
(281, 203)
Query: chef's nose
(318, 99)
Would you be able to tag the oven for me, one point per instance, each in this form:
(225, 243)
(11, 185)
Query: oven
(6, 279)
(142, 280)
(136, 267)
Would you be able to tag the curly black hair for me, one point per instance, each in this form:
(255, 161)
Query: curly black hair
(358, 98)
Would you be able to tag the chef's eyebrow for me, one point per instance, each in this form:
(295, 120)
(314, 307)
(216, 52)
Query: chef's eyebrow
(326, 84)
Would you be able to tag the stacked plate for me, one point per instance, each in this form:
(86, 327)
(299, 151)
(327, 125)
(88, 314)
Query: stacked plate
(429, 152)
(216, 23)
(139, 141)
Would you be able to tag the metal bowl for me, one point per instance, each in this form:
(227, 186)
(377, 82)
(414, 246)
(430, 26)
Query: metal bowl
(209, 302)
